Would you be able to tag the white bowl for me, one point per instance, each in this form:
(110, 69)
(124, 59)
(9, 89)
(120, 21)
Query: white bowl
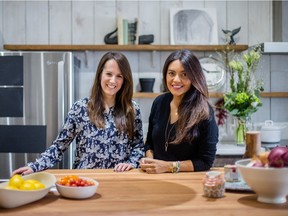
(270, 184)
(78, 192)
(15, 198)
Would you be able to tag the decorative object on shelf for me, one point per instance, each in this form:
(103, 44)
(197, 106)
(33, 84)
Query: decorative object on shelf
(214, 72)
(193, 26)
(146, 39)
(244, 98)
(230, 35)
(127, 31)
(147, 84)
(128, 34)
(108, 39)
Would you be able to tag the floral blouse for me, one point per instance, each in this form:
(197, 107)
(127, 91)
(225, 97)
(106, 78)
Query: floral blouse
(95, 147)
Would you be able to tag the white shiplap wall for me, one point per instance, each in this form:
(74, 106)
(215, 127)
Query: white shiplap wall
(87, 22)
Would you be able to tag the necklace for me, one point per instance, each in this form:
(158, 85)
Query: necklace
(167, 136)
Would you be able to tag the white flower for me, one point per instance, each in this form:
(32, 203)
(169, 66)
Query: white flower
(254, 104)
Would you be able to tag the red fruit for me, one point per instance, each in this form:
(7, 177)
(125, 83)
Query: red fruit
(285, 158)
(275, 156)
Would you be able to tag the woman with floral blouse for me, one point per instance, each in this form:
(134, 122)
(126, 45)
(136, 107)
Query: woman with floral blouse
(107, 126)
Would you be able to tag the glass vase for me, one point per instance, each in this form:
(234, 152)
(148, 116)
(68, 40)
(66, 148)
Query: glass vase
(242, 125)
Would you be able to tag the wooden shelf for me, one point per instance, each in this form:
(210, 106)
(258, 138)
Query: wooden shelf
(145, 94)
(274, 94)
(153, 94)
(213, 94)
(35, 47)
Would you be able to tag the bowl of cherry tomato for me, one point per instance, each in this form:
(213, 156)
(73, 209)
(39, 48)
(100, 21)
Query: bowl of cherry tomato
(76, 187)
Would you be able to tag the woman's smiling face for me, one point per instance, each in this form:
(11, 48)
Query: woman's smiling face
(177, 80)
(111, 78)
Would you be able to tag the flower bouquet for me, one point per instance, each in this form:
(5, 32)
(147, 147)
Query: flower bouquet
(244, 98)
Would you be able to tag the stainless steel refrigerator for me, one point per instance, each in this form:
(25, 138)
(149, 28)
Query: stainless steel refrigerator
(36, 92)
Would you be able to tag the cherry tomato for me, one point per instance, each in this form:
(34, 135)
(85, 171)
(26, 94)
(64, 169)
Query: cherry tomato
(74, 181)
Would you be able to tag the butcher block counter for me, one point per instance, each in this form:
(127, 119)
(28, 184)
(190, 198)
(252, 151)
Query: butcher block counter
(139, 193)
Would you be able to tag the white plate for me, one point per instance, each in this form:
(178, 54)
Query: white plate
(240, 186)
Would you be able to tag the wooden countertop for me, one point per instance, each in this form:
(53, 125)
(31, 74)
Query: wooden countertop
(138, 193)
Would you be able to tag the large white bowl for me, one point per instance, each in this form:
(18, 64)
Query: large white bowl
(14, 198)
(270, 184)
(78, 192)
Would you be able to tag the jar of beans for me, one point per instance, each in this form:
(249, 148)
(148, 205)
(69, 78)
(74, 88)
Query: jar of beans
(213, 184)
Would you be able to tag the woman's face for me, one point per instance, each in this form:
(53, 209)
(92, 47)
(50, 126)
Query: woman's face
(177, 80)
(111, 78)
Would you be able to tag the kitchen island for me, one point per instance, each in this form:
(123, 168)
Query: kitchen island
(139, 193)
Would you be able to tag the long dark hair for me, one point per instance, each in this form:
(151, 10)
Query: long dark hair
(194, 106)
(124, 113)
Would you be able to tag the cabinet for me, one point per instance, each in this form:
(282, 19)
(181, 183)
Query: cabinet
(142, 48)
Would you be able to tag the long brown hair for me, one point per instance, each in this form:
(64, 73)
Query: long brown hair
(124, 113)
(194, 106)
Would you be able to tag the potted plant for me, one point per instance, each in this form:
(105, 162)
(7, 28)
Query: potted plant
(244, 98)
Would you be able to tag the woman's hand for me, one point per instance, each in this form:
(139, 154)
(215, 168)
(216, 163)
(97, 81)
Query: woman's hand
(122, 167)
(23, 171)
(150, 165)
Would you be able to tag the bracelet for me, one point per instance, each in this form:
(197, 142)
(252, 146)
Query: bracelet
(178, 166)
(175, 167)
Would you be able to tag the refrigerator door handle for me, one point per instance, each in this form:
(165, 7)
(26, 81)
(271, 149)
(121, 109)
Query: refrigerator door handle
(61, 94)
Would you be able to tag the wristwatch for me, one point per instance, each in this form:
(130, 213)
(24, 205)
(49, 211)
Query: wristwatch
(214, 72)
(175, 167)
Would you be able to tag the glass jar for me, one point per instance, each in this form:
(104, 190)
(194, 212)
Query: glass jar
(231, 173)
(213, 184)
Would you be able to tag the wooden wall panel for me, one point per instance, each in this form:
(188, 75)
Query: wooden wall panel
(14, 22)
(37, 22)
(104, 19)
(89, 21)
(83, 28)
(237, 15)
(260, 15)
(165, 19)
(127, 9)
(60, 29)
(221, 17)
(149, 13)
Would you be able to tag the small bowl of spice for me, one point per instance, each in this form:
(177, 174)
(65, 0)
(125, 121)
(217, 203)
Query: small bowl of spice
(213, 184)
